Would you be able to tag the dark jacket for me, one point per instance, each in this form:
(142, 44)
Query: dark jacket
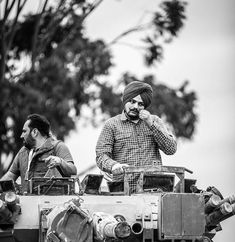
(38, 167)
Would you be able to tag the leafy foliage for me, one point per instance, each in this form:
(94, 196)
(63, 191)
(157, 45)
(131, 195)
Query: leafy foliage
(65, 67)
(167, 23)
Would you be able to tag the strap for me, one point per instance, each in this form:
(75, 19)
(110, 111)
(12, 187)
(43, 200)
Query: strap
(54, 148)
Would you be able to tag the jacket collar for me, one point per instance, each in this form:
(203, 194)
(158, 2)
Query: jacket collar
(48, 145)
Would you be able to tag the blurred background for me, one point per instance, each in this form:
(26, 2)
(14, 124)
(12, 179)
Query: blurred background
(71, 62)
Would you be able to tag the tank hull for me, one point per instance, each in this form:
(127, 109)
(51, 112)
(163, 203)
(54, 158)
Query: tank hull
(144, 213)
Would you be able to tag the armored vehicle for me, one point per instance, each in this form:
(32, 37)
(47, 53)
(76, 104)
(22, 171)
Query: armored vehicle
(165, 207)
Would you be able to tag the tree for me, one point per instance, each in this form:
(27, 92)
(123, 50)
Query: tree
(62, 63)
(65, 68)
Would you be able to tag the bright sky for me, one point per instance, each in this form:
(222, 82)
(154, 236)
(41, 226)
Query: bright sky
(204, 54)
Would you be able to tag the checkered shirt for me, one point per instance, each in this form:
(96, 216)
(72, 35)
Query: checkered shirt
(135, 144)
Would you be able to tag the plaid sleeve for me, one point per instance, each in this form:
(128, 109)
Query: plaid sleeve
(166, 141)
(104, 148)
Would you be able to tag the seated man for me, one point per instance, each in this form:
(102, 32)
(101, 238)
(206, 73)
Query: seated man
(134, 137)
(39, 153)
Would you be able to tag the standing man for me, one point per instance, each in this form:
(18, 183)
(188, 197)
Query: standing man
(39, 153)
(134, 137)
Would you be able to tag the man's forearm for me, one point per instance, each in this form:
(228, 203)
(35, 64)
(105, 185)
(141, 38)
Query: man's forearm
(105, 163)
(165, 140)
(9, 176)
(68, 168)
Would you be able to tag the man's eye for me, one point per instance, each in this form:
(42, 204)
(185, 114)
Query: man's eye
(141, 104)
(133, 101)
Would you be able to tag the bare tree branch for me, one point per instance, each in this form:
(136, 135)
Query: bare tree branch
(92, 8)
(35, 34)
(8, 10)
(129, 31)
(7, 37)
(51, 28)
(13, 28)
(136, 47)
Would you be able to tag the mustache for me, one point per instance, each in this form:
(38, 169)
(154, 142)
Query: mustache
(135, 110)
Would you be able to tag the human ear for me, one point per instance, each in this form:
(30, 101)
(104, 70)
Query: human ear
(34, 132)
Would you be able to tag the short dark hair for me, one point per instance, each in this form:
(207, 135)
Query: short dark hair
(39, 122)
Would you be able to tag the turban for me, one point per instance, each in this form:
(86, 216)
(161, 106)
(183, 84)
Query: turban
(136, 88)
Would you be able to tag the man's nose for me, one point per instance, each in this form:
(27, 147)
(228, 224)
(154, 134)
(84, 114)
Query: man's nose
(136, 105)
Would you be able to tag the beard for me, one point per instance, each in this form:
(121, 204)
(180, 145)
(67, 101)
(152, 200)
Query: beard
(132, 114)
(29, 142)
